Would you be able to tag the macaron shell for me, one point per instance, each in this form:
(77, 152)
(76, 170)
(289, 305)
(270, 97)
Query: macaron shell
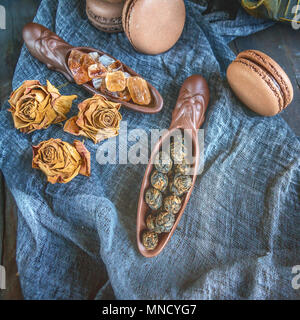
(114, 1)
(125, 15)
(153, 26)
(274, 69)
(254, 87)
(105, 16)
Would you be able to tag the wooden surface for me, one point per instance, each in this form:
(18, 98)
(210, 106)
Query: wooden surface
(280, 42)
(18, 13)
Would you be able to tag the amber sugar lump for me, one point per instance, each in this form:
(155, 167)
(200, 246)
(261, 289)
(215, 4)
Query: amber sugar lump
(86, 67)
(115, 81)
(115, 66)
(139, 90)
(96, 70)
(124, 95)
(79, 63)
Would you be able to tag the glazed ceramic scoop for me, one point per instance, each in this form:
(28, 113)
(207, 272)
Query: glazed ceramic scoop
(188, 114)
(50, 49)
(260, 83)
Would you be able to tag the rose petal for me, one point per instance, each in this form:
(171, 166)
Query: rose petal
(52, 89)
(35, 107)
(85, 157)
(15, 96)
(63, 104)
(98, 119)
(39, 95)
(60, 161)
(71, 126)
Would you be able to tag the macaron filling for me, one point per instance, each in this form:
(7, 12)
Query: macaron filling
(258, 68)
(271, 76)
(275, 71)
(126, 18)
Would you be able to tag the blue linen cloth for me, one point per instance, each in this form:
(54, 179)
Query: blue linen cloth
(240, 234)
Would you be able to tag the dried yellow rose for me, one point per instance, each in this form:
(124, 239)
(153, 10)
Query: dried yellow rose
(97, 119)
(60, 161)
(34, 106)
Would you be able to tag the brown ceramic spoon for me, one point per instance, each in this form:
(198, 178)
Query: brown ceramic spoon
(50, 49)
(188, 114)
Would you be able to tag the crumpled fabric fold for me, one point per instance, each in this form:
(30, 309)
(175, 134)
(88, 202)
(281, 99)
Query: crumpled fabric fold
(239, 236)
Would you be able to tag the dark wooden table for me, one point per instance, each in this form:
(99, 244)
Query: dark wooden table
(18, 13)
(280, 42)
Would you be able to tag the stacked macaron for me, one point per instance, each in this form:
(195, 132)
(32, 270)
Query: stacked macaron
(154, 26)
(260, 83)
(105, 15)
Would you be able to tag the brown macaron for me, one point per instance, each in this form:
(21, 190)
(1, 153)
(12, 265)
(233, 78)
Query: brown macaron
(153, 26)
(260, 83)
(105, 15)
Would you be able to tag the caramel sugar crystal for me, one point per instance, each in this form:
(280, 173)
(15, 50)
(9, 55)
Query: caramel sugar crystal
(96, 70)
(115, 66)
(115, 81)
(79, 63)
(139, 91)
(124, 95)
